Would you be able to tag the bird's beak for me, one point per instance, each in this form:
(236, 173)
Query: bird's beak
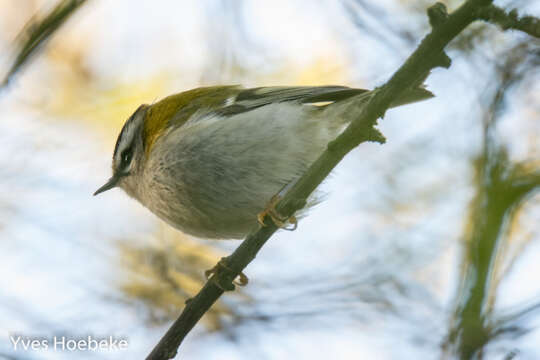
(108, 185)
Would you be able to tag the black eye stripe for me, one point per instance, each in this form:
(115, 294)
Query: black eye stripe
(125, 128)
(125, 157)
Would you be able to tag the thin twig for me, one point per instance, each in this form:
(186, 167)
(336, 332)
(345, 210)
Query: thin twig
(36, 33)
(510, 20)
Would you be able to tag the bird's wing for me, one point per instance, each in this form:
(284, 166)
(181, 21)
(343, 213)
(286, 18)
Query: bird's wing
(249, 99)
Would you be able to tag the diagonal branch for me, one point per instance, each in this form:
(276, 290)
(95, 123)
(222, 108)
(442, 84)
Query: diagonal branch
(427, 56)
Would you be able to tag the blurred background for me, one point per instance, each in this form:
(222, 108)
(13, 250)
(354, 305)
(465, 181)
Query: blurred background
(427, 247)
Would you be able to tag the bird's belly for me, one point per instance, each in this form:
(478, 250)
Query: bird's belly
(206, 216)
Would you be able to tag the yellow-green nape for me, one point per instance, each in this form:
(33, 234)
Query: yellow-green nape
(175, 110)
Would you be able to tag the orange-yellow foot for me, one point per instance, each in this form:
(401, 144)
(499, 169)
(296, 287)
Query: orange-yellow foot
(241, 279)
(279, 220)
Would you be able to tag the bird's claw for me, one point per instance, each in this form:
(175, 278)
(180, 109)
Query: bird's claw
(240, 280)
(279, 220)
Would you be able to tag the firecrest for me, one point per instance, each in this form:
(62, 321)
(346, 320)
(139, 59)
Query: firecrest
(208, 160)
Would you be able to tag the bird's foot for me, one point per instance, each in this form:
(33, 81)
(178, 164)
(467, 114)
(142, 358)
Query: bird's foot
(278, 219)
(240, 280)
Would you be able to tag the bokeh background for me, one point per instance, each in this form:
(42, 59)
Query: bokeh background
(427, 247)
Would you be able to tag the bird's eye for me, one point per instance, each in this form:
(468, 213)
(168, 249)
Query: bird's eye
(126, 157)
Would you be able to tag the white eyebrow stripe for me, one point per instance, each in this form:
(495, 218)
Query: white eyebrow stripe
(126, 139)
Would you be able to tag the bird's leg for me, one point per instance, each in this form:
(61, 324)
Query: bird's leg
(221, 266)
(278, 219)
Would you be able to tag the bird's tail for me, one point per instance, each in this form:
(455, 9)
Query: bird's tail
(411, 96)
(347, 109)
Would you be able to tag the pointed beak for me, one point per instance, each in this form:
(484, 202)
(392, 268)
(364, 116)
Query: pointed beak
(108, 185)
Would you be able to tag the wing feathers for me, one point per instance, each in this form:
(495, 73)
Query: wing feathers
(242, 100)
(267, 95)
(250, 99)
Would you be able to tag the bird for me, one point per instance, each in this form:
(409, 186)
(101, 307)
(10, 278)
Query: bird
(208, 161)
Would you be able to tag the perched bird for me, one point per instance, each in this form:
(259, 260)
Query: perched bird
(209, 160)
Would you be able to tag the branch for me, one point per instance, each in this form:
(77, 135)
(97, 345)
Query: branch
(427, 56)
(510, 20)
(37, 32)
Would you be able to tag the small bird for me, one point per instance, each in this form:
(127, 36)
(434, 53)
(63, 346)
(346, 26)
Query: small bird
(207, 161)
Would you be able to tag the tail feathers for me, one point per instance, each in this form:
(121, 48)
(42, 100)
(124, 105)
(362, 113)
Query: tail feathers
(411, 96)
(347, 109)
